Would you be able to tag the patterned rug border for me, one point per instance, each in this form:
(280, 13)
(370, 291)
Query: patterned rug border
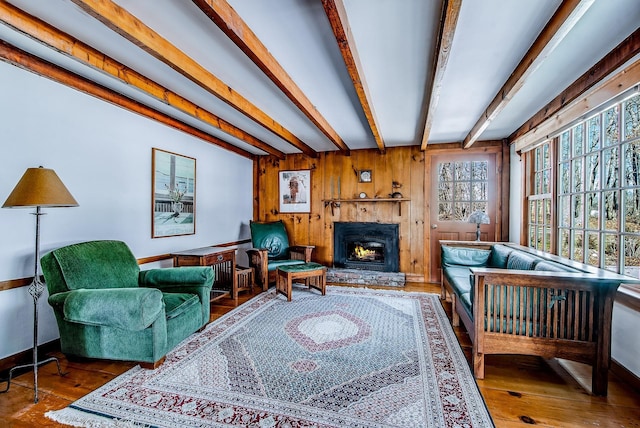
(76, 415)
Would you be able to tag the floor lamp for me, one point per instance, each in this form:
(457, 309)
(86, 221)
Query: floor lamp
(38, 188)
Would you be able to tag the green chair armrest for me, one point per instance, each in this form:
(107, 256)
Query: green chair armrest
(177, 279)
(131, 309)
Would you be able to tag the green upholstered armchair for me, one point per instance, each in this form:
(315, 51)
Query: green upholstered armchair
(271, 249)
(107, 308)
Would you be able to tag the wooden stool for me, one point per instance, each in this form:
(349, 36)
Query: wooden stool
(314, 275)
(244, 279)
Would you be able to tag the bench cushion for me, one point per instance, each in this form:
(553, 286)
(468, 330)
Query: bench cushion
(302, 267)
(551, 266)
(460, 256)
(522, 261)
(499, 255)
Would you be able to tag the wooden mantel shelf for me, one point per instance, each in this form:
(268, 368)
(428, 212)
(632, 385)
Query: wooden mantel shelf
(335, 203)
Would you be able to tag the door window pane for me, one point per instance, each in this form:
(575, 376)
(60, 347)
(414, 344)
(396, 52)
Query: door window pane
(462, 189)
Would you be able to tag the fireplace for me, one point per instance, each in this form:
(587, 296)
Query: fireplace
(368, 246)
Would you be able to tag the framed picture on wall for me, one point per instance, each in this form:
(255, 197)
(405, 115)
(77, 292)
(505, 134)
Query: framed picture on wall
(173, 194)
(295, 191)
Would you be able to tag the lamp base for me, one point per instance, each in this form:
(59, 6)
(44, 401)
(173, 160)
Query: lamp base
(34, 366)
(35, 289)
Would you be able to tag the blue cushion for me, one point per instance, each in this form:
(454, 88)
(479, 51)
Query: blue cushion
(522, 261)
(460, 256)
(499, 255)
(551, 266)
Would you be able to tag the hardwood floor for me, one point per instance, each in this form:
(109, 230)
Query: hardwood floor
(518, 390)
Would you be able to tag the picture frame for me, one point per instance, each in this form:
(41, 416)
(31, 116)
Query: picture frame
(173, 194)
(295, 191)
(365, 176)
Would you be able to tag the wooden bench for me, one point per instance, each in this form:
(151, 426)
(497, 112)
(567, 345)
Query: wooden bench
(314, 275)
(553, 308)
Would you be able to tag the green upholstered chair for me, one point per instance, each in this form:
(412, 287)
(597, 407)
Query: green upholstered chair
(107, 308)
(271, 249)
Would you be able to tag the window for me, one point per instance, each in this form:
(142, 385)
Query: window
(540, 215)
(462, 189)
(597, 202)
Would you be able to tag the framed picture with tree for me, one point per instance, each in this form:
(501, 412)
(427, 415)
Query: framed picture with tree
(173, 194)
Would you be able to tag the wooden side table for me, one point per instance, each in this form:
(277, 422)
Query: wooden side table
(223, 262)
(244, 279)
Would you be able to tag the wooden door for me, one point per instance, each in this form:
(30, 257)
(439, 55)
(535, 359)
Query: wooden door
(460, 185)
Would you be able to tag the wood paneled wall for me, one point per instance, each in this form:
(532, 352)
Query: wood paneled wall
(402, 165)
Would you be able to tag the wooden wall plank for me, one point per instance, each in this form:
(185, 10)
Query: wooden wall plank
(401, 164)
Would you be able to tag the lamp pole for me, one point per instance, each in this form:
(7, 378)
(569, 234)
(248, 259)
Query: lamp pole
(35, 290)
(38, 187)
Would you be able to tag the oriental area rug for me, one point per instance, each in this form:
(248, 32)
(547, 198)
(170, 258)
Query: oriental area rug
(353, 358)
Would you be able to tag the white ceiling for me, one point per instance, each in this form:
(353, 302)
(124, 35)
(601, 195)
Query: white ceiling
(396, 43)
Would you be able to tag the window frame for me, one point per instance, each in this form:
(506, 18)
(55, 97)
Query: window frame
(577, 161)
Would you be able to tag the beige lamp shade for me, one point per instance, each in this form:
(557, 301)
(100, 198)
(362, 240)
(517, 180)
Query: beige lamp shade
(40, 187)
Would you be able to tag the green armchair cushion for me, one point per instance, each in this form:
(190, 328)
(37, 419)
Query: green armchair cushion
(178, 303)
(272, 236)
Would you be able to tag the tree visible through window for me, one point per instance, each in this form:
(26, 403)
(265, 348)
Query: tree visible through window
(598, 202)
(540, 214)
(462, 189)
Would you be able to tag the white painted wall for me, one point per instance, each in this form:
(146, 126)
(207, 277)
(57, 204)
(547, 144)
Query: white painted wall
(103, 155)
(515, 195)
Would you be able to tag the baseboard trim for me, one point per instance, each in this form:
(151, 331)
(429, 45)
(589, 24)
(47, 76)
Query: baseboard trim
(26, 357)
(625, 375)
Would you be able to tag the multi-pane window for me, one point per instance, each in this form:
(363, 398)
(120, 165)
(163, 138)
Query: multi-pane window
(462, 189)
(540, 206)
(598, 202)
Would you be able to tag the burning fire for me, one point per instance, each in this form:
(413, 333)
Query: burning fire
(363, 253)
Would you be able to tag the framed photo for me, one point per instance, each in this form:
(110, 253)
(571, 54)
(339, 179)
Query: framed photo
(364, 176)
(295, 191)
(173, 196)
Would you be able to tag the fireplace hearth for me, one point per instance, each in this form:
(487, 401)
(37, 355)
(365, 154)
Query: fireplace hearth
(367, 246)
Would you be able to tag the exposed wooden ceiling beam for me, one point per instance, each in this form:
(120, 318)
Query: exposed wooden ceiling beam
(448, 24)
(226, 18)
(50, 36)
(29, 62)
(615, 59)
(564, 19)
(124, 23)
(337, 15)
